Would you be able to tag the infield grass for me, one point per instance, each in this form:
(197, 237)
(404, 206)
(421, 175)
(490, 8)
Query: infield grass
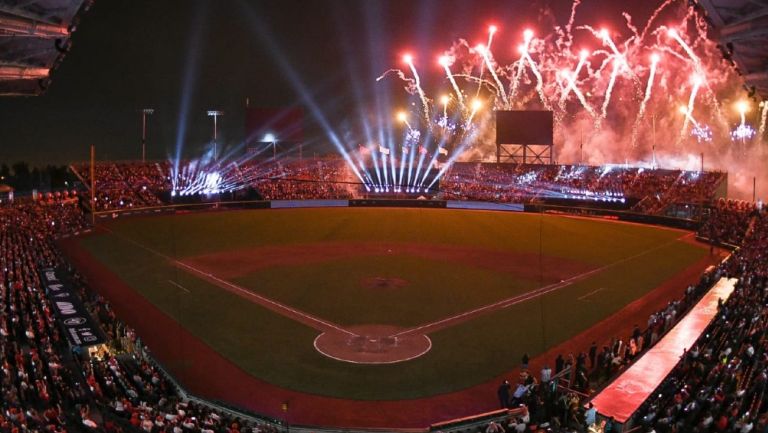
(279, 350)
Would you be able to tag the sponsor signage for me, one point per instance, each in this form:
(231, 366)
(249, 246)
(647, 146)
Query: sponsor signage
(70, 311)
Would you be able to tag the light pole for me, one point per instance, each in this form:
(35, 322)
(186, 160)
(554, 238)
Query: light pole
(215, 114)
(270, 138)
(144, 113)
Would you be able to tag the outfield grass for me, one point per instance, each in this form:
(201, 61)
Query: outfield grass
(280, 350)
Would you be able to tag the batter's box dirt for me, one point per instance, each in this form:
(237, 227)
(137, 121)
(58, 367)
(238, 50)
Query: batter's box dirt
(383, 283)
(372, 344)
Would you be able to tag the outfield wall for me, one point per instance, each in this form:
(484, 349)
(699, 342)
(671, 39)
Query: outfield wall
(679, 223)
(454, 425)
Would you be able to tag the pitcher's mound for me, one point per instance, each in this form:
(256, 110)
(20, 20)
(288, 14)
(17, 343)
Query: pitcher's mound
(372, 344)
(383, 283)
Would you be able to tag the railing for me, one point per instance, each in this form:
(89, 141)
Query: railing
(449, 426)
(534, 208)
(616, 214)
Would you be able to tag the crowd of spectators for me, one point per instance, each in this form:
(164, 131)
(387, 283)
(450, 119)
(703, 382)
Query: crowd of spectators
(719, 385)
(652, 190)
(46, 386)
(38, 387)
(131, 185)
(727, 220)
(126, 185)
(580, 374)
(137, 185)
(302, 180)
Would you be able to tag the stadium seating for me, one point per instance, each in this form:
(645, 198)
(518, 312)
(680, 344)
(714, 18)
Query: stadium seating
(718, 386)
(134, 185)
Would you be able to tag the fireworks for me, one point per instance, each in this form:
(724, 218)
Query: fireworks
(655, 58)
(743, 132)
(617, 66)
(696, 81)
(485, 52)
(763, 117)
(417, 82)
(587, 89)
(702, 133)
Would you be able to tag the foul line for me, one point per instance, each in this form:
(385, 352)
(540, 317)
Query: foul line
(504, 303)
(323, 325)
(282, 309)
(590, 294)
(179, 286)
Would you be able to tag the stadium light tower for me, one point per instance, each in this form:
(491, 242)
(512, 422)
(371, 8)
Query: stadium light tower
(270, 138)
(144, 113)
(215, 114)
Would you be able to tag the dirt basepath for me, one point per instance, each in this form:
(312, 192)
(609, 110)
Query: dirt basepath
(206, 373)
(237, 263)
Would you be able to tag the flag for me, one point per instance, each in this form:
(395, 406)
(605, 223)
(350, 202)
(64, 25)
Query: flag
(383, 150)
(442, 151)
(422, 150)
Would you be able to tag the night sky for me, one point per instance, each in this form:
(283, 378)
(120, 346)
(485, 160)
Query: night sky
(131, 54)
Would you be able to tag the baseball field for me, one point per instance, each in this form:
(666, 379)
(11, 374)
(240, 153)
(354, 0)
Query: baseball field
(378, 304)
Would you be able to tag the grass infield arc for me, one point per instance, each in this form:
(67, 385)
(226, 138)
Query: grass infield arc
(469, 355)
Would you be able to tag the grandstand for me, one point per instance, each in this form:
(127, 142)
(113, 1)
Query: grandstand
(36, 38)
(118, 375)
(406, 286)
(659, 192)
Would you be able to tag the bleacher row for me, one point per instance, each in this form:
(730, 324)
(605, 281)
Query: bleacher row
(46, 386)
(720, 383)
(50, 386)
(132, 184)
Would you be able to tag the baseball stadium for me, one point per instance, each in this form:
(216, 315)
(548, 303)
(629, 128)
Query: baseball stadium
(459, 216)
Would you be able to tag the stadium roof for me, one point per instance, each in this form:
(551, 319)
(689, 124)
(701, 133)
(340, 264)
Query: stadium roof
(34, 38)
(741, 29)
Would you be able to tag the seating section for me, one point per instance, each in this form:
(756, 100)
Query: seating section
(719, 385)
(134, 185)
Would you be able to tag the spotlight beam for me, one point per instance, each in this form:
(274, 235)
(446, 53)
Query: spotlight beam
(261, 30)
